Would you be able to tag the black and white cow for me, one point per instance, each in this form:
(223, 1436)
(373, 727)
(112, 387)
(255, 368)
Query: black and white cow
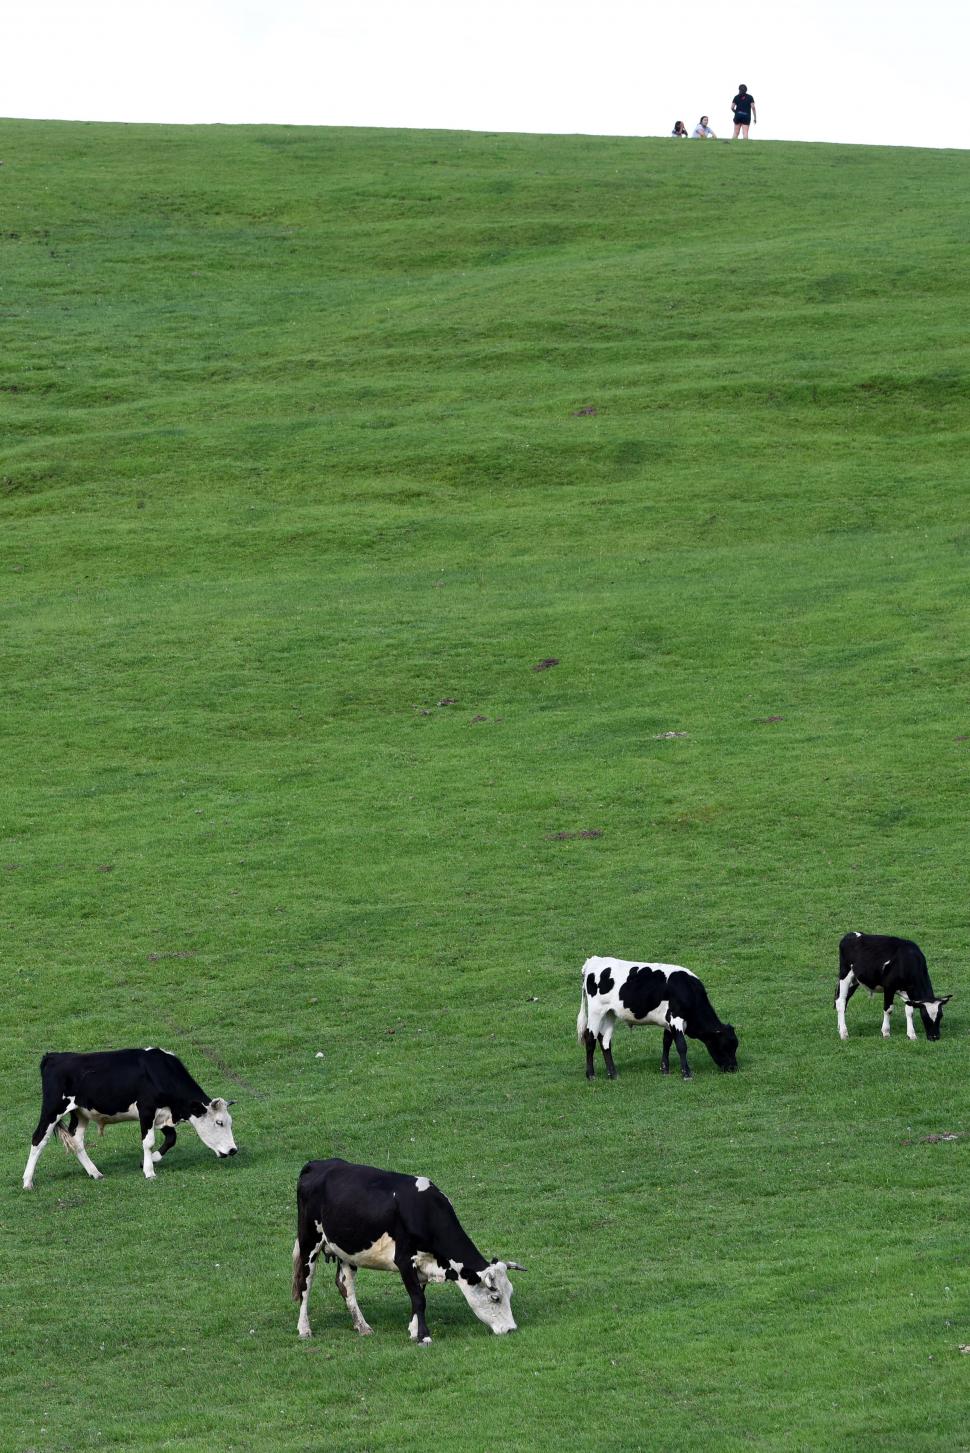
(644, 993)
(147, 1085)
(896, 966)
(358, 1216)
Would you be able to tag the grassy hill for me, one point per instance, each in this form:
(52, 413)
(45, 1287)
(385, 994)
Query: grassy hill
(315, 444)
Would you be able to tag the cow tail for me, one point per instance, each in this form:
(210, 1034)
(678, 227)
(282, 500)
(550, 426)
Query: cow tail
(298, 1278)
(582, 1020)
(65, 1138)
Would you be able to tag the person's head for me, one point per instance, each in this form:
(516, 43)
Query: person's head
(704, 120)
(679, 126)
(742, 90)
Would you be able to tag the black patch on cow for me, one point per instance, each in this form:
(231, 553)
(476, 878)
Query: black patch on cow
(591, 984)
(451, 1274)
(645, 988)
(606, 981)
(470, 1276)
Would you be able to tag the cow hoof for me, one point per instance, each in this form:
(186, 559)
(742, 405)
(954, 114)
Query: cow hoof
(665, 1069)
(612, 1074)
(591, 1074)
(28, 1185)
(424, 1342)
(688, 1075)
(365, 1331)
(304, 1334)
(96, 1175)
(843, 1034)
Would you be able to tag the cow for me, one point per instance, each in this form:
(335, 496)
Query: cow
(149, 1085)
(646, 993)
(896, 966)
(359, 1216)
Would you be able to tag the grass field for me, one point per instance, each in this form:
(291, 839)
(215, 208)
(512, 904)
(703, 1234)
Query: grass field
(315, 444)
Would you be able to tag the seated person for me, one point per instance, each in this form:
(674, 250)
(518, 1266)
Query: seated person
(703, 129)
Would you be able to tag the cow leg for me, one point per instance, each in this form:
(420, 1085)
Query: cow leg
(417, 1327)
(53, 1106)
(347, 1287)
(39, 1140)
(910, 1026)
(168, 1140)
(887, 1009)
(844, 990)
(146, 1119)
(76, 1144)
(305, 1265)
(589, 1039)
(606, 1039)
(665, 1054)
(681, 1043)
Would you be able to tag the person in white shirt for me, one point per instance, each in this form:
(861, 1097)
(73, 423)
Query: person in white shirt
(703, 130)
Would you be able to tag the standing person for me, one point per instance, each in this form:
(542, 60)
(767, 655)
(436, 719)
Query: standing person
(744, 111)
(679, 129)
(703, 129)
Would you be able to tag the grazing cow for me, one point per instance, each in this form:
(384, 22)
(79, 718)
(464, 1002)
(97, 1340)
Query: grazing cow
(359, 1216)
(642, 993)
(147, 1085)
(896, 966)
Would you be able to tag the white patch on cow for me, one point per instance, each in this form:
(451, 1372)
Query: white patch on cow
(676, 1022)
(422, 1182)
(933, 1009)
(910, 1026)
(163, 1117)
(885, 1021)
(888, 964)
(413, 1328)
(102, 1120)
(379, 1256)
(427, 1267)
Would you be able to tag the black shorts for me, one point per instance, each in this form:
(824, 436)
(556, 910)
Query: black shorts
(740, 120)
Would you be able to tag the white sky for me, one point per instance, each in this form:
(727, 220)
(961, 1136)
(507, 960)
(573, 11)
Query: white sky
(892, 72)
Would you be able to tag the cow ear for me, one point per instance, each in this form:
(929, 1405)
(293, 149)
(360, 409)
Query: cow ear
(945, 1000)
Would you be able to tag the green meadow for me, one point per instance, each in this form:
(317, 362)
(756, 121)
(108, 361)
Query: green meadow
(316, 445)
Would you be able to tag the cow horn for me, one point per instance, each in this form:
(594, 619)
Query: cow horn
(229, 1102)
(515, 1266)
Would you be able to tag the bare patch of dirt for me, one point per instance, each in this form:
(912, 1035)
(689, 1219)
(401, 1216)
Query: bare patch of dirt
(546, 664)
(767, 720)
(668, 736)
(585, 412)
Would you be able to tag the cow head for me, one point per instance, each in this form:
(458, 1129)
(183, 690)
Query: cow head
(931, 1013)
(489, 1294)
(213, 1125)
(722, 1046)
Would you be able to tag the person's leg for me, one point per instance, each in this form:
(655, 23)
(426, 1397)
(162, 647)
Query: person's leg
(737, 130)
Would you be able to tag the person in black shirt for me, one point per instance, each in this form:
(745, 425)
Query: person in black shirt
(744, 112)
